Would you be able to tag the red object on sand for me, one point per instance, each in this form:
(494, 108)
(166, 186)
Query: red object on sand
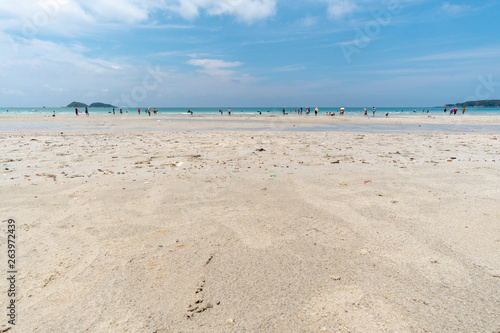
(368, 181)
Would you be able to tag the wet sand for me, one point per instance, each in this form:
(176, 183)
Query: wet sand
(192, 226)
(320, 123)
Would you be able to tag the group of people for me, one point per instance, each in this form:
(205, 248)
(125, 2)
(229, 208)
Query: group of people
(77, 112)
(298, 111)
(316, 110)
(222, 112)
(121, 111)
(454, 110)
(148, 111)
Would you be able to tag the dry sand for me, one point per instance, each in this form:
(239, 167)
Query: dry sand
(194, 230)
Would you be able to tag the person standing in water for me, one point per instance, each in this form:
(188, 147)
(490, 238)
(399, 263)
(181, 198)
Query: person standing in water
(463, 110)
(229, 111)
(76, 111)
(86, 111)
(139, 111)
(374, 110)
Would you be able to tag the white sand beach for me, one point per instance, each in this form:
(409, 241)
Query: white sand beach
(161, 225)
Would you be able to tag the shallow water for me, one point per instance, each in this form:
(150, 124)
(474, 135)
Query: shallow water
(233, 124)
(247, 111)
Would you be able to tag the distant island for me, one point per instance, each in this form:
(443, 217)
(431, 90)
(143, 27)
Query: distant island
(100, 105)
(93, 105)
(491, 103)
(76, 105)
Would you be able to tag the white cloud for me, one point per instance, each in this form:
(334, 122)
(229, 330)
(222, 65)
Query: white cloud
(49, 71)
(309, 21)
(42, 54)
(245, 10)
(215, 67)
(485, 53)
(127, 11)
(454, 10)
(55, 89)
(69, 17)
(340, 8)
(290, 68)
(44, 11)
(359, 42)
(6, 91)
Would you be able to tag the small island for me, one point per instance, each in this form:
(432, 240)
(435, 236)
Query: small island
(101, 105)
(492, 103)
(76, 105)
(93, 105)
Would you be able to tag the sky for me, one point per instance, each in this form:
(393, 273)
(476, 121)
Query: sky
(194, 53)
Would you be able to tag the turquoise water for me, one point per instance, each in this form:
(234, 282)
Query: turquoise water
(182, 111)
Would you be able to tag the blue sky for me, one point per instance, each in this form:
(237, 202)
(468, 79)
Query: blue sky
(248, 52)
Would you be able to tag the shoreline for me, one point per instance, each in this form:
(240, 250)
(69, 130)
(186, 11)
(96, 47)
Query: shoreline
(274, 123)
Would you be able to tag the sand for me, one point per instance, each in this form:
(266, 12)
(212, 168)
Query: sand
(191, 226)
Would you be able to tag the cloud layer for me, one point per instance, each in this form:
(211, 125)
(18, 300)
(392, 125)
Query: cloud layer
(244, 10)
(36, 14)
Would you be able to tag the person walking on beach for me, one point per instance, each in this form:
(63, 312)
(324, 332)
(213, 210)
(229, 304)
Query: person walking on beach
(139, 111)
(316, 111)
(121, 111)
(229, 111)
(76, 111)
(374, 110)
(366, 112)
(463, 110)
(86, 111)
(149, 112)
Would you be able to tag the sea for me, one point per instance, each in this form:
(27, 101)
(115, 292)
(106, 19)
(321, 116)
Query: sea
(245, 111)
(258, 121)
